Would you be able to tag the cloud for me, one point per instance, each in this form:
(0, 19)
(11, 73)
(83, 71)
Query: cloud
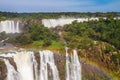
(58, 5)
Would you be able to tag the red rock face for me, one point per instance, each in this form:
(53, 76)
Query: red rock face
(3, 70)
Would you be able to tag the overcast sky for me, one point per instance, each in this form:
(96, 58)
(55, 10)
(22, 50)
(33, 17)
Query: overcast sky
(60, 5)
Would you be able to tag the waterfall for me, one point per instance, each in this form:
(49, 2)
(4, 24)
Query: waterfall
(17, 27)
(57, 22)
(73, 67)
(35, 66)
(9, 26)
(62, 21)
(47, 58)
(67, 66)
(12, 74)
(24, 65)
(27, 65)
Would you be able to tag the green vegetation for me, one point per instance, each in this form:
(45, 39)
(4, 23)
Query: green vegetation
(56, 44)
(83, 33)
(53, 44)
(36, 34)
(26, 16)
(3, 35)
(37, 43)
(97, 41)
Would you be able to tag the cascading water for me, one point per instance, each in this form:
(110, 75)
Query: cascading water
(9, 26)
(67, 66)
(62, 21)
(47, 58)
(35, 66)
(24, 65)
(31, 67)
(73, 67)
(12, 74)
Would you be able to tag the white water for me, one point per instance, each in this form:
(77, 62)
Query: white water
(27, 66)
(67, 66)
(62, 21)
(35, 66)
(73, 67)
(12, 74)
(24, 65)
(9, 26)
(47, 58)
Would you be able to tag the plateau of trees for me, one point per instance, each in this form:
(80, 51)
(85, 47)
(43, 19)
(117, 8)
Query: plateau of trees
(77, 34)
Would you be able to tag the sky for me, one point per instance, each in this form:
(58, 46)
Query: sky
(60, 5)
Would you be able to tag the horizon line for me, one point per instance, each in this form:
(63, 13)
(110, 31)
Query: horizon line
(61, 12)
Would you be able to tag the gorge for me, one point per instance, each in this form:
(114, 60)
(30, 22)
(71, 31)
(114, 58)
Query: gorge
(96, 40)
